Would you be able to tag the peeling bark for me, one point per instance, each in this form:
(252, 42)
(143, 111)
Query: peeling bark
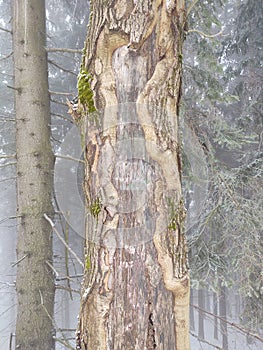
(136, 283)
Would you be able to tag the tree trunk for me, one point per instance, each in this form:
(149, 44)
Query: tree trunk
(34, 284)
(201, 305)
(215, 312)
(192, 314)
(223, 315)
(136, 282)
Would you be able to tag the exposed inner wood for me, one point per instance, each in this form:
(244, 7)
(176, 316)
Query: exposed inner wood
(136, 284)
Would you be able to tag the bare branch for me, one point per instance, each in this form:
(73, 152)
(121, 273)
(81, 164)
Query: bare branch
(62, 68)
(10, 218)
(206, 342)
(63, 117)
(67, 345)
(6, 30)
(7, 56)
(68, 289)
(19, 261)
(241, 329)
(58, 102)
(52, 268)
(62, 240)
(8, 284)
(210, 36)
(69, 277)
(53, 321)
(7, 119)
(50, 221)
(8, 179)
(70, 158)
(59, 49)
(60, 93)
(13, 88)
(66, 236)
(11, 340)
(191, 7)
(7, 164)
(8, 156)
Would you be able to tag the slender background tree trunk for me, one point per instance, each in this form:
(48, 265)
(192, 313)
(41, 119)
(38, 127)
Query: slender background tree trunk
(201, 305)
(223, 314)
(192, 314)
(215, 312)
(136, 283)
(34, 284)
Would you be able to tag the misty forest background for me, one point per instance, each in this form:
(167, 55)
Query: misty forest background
(222, 139)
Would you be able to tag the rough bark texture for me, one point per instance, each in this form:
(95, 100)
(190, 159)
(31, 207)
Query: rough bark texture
(35, 285)
(136, 283)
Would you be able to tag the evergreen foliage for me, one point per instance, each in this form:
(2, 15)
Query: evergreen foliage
(223, 105)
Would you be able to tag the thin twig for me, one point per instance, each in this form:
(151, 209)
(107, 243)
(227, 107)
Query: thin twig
(7, 164)
(191, 7)
(6, 30)
(8, 179)
(19, 261)
(7, 56)
(6, 310)
(8, 156)
(60, 93)
(65, 232)
(7, 119)
(67, 345)
(68, 289)
(8, 284)
(70, 158)
(59, 49)
(41, 298)
(52, 268)
(62, 240)
(62, 117)
(243, 330)
(210, 36)
(11, 340)
(52, 320)
(9, 218)
(14, 88)
(58, 102)
(69, 277)
(64, 69)
(206, 342)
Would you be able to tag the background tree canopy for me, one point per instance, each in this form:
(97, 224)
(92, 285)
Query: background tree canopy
(222, 103)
